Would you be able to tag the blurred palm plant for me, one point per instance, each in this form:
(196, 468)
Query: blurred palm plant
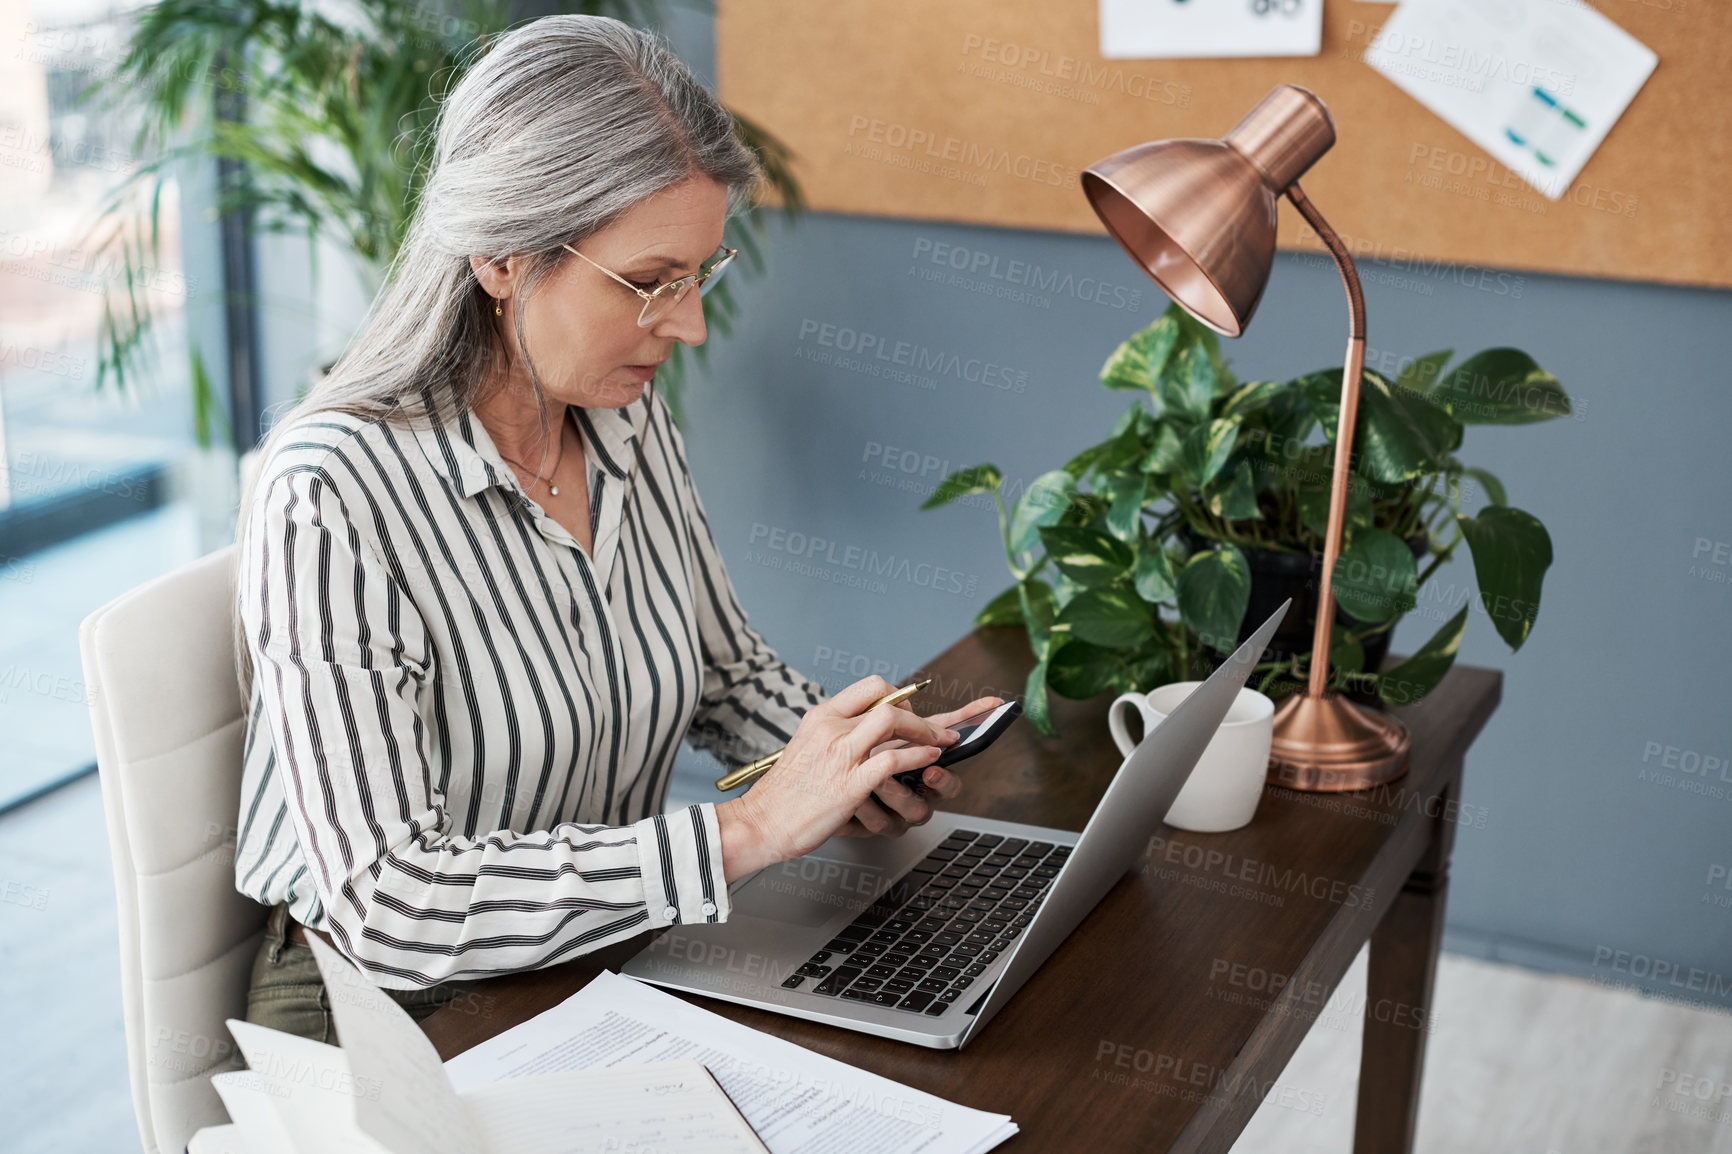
(329, 124)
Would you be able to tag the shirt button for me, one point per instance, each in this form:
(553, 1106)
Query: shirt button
(709, 909)
(671, 913)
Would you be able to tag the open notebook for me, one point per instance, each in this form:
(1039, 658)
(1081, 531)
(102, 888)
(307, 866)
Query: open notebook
(386, 1090)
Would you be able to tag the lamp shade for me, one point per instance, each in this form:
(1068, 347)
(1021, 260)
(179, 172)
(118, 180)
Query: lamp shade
(1199, 215)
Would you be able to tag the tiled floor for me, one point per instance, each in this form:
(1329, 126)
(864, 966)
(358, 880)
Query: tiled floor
(1519, 1063)
(63, 1068)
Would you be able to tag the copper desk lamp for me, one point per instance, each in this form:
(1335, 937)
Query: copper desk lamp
(1199, 217)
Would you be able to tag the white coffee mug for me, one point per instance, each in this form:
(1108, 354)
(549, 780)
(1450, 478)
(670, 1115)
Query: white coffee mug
(1223, 790)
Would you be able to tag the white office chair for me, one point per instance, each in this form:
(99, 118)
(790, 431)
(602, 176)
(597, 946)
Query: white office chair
(170, 725)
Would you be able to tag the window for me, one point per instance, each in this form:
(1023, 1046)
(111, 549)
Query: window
(100, 490)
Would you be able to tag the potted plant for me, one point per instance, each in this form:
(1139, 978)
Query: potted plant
(331, 123)
(1136, 562)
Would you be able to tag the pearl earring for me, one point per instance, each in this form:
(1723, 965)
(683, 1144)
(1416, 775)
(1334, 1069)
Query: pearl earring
(498, 309)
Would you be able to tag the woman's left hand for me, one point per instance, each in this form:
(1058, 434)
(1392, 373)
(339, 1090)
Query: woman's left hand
(908, 808)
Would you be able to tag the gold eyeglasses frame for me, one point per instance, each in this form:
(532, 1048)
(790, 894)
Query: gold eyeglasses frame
(680, 285)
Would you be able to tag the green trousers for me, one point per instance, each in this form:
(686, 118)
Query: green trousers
(288, 993)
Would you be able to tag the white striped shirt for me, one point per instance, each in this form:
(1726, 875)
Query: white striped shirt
(462, 726)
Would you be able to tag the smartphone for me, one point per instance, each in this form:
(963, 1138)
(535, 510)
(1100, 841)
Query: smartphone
(973, 734)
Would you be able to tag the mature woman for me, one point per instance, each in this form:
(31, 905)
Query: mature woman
(479, 601)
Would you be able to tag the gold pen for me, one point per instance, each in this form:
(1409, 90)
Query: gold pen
(752, 771)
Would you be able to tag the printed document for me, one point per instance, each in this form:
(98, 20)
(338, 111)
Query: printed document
(798, 1101)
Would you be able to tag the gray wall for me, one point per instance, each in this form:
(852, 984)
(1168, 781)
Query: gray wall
(1583, 853)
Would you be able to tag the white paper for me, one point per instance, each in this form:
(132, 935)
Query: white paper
(1167, 29)
(307, 1085)
(1536, 83)
(250, 1103)
(408, 1105)
(796, 1100)
(658, 1108)
(299, 1096)
(219, 1140)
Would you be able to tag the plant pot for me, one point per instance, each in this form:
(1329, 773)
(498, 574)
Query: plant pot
(1274, 578)
(1277, 576)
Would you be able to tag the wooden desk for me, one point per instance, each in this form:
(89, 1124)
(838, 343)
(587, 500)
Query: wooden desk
(1153, 1027)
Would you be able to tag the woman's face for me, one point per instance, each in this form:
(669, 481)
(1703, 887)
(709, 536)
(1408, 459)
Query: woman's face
(580, 325)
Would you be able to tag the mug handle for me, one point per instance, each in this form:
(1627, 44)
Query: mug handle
(1116, 720)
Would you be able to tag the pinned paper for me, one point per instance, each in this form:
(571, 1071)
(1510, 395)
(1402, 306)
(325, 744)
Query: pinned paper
(1166, 29)
(1536, 83)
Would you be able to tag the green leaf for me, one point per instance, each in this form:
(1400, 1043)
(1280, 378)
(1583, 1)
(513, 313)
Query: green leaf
(1167, 453)
(1038, 611)
(1114, 617)
(1087, 509)
(1134, 417)
(1188, 385)
(1079, 465)
(1046, 499)
(1153, 575)
(1404, 435)
(1314, 509)
(1511, 552)
(1139, 362)
(1123, 451)
(1420, 674)
(1235, 498)
(1196, 332)
(1501, 387)
(1207, 448)
(1421, 373)
(1005, 609)
(1375, 576)
(1152, 668)
(1255, 396)
(1087, 556)
(1280, 428)
(207, 410)
(1063, 589)
(1494, 490)
(1125, 517)
(1345, 654)
(1079, 670)
(1034, 703)
(977, 479)
(1122, 446)
(1399, 435)
(1214, 589)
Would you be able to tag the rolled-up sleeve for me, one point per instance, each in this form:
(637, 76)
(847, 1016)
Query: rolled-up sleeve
(751, 700)
(342, 662)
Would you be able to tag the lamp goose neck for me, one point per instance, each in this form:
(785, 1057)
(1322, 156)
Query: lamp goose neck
(1343, 259)
(1345, 420)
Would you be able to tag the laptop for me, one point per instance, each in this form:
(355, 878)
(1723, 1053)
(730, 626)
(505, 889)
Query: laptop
(923, 938)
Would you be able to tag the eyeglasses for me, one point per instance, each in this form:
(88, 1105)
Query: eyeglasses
(659, 303)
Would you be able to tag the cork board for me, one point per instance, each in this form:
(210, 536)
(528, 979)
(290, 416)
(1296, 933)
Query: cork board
(986, 112)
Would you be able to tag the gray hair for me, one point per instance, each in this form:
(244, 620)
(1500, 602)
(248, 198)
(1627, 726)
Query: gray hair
(551, 135)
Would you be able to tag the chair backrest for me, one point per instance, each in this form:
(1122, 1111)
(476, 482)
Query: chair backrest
(170, 725)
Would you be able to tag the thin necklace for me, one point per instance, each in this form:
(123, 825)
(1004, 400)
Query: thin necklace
(553, 490)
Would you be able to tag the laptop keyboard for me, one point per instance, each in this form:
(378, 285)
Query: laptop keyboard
(938, 926)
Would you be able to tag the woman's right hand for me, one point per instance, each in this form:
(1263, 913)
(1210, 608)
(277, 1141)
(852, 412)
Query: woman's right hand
(827, 772)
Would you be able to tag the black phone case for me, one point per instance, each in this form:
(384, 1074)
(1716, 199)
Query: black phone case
(962, 751)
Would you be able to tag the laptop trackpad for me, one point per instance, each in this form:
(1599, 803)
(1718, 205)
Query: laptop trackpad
(807, 891)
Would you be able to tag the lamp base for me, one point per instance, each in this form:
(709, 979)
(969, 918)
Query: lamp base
(1329, 745)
